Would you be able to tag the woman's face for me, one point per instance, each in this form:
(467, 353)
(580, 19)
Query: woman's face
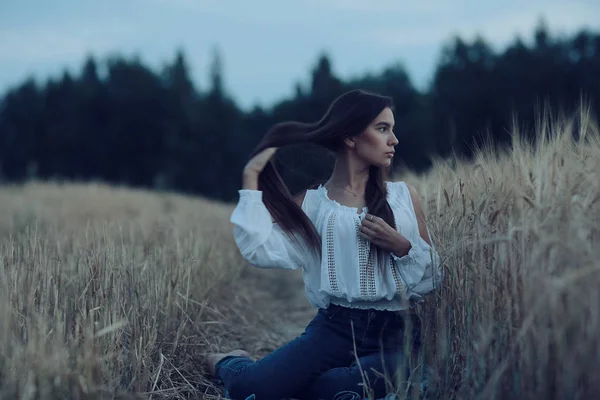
(375, 146)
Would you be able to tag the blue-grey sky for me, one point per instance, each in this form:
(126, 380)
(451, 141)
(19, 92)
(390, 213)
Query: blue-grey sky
(267, 45)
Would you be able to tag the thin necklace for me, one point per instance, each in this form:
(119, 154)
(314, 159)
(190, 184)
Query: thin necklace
(349, 191)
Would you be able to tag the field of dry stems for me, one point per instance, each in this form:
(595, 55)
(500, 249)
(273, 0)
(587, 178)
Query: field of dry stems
(113, 293)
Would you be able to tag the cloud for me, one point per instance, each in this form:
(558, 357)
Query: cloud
(497, 29)
(44, 45)
(267, 43)
(190, 5)
(560, 17)
(59, 43)
(405, 6)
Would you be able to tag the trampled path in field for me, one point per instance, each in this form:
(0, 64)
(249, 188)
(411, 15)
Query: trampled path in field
(280, 297)
(270, 310)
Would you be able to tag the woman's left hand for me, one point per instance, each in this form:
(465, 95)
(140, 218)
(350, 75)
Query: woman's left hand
(380, 233)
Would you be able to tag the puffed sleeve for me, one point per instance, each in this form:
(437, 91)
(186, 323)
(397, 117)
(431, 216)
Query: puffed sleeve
(261, 241)
(421, 268)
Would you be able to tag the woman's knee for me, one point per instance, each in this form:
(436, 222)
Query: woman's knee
(234, 373)
(246, 382)
(238, 390)
(244, 389)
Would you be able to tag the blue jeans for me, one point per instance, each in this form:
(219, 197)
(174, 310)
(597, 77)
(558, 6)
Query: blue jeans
(340, 350)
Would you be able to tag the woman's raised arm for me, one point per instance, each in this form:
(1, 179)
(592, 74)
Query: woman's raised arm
(260, 240)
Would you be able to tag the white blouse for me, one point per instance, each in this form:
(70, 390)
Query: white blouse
(343, 273)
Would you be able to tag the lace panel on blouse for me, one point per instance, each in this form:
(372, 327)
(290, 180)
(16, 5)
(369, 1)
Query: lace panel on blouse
(400, 286)
(331, 255)
(366, 265)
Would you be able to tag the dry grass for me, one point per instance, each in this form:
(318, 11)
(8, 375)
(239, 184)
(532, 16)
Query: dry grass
(107, 292)
(519, 315)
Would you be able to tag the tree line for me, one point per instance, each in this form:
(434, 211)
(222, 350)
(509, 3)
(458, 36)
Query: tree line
(120, 122)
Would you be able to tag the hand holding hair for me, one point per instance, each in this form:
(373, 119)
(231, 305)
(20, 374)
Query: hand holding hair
(255, 166)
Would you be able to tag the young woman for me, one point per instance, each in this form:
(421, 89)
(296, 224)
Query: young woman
(364, 250)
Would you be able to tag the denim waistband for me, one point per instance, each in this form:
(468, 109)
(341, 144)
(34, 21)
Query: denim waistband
(368, 314)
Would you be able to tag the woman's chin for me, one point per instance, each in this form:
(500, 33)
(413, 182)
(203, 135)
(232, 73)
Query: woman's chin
(383, 164)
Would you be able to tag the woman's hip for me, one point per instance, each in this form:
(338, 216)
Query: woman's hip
(371, 329)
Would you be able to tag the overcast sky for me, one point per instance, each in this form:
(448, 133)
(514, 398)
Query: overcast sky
(267, 45)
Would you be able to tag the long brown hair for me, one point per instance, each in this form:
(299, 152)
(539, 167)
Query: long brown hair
(347, 116)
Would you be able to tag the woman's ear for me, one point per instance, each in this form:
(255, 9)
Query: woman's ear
(350, 142)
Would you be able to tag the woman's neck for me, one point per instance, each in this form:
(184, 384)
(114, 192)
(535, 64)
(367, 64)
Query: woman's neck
(349, 174)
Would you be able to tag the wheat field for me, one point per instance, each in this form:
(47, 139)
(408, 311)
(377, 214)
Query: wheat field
(109, 292)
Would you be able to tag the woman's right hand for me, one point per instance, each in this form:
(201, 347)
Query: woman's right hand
(258, 162)
(255, 166)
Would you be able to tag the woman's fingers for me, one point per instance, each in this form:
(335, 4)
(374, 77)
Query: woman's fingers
(370, 231)
(373, 219)
(364, 236)
(259, 161)
(373, 222)
(374, 228)
(373, 239)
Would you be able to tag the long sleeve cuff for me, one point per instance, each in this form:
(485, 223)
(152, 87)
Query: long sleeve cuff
(412, 265)
(420, 268)
(252, 220)
(261, 241)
